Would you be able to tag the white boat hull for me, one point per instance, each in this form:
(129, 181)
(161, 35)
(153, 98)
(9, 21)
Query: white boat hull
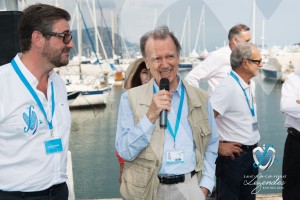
(87, 97)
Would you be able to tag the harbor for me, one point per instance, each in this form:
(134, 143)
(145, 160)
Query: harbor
(95, 166)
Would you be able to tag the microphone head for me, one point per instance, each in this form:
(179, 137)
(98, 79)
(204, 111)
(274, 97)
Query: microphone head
(164, 84)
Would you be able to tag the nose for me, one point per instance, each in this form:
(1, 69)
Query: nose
(71, 44)
(164, 62)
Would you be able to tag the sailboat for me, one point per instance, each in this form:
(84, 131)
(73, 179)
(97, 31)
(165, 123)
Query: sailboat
(86, 83)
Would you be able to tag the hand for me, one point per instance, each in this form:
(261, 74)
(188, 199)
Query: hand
(205, 191)
(298, 101)
(160, 101)
(229, 149)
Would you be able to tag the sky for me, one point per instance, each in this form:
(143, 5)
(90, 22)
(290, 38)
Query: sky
(132, 18)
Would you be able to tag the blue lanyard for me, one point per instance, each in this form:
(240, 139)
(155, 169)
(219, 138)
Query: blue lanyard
(247, 99)
(174, 133)
(34, 95)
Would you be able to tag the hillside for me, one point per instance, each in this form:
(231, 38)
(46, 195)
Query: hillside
(106, 36)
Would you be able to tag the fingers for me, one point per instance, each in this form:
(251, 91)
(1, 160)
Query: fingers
(232, 157)
(236, 144)
(160, 101)
(230, 149)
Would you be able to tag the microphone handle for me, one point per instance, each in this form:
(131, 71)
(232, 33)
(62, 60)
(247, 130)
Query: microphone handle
(163, 119)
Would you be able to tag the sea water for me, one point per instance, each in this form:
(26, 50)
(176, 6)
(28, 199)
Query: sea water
(95, 166)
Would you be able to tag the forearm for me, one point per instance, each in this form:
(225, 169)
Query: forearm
(131, 141)
(290, 97)
(194, 76)
(208, 178)
(290, 107)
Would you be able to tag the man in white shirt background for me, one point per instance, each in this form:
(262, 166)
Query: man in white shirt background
(290, 106)
(217, 64)
(235, 111)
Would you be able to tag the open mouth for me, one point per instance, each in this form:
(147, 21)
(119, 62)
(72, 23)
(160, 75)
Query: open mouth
(165, 72)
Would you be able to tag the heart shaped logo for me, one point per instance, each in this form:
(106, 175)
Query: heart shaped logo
(263, 157)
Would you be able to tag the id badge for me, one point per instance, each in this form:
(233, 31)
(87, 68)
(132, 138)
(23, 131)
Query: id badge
(254, 126)
(53, 146)
(175, 157)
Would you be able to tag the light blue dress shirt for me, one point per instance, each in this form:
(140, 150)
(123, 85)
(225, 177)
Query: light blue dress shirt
(131, 139)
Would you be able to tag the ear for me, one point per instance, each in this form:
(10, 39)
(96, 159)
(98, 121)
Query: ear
(146, 63)
(235, 40)
(244, 64)
(37, 39)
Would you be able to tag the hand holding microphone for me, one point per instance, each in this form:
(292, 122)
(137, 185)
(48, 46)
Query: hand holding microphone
(164, 85)
(161, 103)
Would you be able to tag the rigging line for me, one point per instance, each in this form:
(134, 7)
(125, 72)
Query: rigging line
(110, 39)
(88, 33)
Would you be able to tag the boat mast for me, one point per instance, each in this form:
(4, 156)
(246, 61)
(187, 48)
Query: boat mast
(79, 39)
(95, 28)
(253, 20)
(112, 33)
(263, 35)
(201, 24)
(184, 30)
(98, 35)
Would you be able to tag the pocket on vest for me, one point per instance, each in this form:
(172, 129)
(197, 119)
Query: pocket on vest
(136, 178)
(201, 127)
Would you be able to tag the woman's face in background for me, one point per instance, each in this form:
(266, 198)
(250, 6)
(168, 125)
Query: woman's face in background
(145, 76)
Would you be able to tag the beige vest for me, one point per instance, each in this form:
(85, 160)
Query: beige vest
(139, 179)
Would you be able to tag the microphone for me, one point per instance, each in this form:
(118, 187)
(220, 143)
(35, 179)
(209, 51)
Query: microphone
(164, 85)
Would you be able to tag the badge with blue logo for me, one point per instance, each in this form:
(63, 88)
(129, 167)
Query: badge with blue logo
(31, 120)
(53, 146)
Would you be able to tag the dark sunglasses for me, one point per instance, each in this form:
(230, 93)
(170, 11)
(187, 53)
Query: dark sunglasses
(258, 62)
(67, 37)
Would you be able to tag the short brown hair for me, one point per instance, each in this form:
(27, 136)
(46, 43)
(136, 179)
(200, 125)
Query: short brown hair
(161, 33)
(236, 30)
(38, 17)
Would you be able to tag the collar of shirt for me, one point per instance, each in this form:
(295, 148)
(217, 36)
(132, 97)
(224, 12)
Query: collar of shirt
(242, 82)
(29, 76)
(178, 89)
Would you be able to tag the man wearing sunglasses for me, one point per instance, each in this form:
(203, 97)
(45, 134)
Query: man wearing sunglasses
(235, 111)
(34, 113)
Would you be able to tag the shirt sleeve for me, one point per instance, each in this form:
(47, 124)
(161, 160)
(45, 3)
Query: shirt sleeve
(289, 95)
(211, 153)
(220, 99)
(202, 71)
(131, 138)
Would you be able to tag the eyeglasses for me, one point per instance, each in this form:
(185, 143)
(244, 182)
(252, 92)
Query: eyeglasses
(67, 37)
(257, 62)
